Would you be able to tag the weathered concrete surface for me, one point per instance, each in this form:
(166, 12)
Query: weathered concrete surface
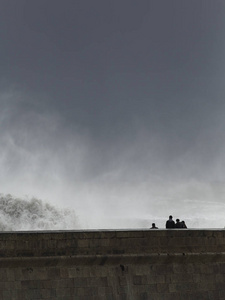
(129, 264)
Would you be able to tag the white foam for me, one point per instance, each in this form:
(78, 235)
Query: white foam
(33, 214)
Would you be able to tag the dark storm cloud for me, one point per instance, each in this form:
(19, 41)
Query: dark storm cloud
(108, 66)
(113, 94)
(95, 54)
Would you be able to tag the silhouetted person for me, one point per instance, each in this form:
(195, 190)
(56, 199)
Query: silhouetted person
(178, 224)
(170, 223)
(153, 226)
(183, 224)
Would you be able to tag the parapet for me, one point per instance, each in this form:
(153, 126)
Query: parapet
(113, 264)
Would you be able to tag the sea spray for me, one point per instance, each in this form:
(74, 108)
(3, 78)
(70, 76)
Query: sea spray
(33, 214)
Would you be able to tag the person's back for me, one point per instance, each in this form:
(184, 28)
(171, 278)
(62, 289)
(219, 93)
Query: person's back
(178, 224)
(153, 226)
(170, 223)
(183, 224)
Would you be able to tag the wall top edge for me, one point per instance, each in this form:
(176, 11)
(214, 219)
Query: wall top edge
(109, 230)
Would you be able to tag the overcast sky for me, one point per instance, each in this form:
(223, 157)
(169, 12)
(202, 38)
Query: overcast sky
(113, 104)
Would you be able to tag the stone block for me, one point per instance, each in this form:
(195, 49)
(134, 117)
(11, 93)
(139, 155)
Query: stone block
(183, 268)
(10, 245)
(93, 243)
(53, 273)
(122, 280)
(143, 296)
(156, 279)
(3, 285)
(222, 293)
(87, 291)
(73, 272)
(48, 293)
(6, 295)
(3, 245)
(3, 274)
(64, 283)
(17, 273)
(219, 277)
(12, 285)
(31, 284)
(197, 295)
(214, 295)
(181, 277)
(64, 272)
(47, 284)
(104, 242)
(159, 269)
(83, 243)
(183, 287)
(61, 244)
(221, 268)
(32, 294)
(162, 287)
(73, 243)
(139, 280)
(80, 282)
(97, 281)
(10, 275)
(149, 288)
(105, 290)
(51, 243)
(63, 292)
(130, 234)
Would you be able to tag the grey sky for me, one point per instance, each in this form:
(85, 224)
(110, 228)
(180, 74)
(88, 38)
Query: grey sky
(125, 91)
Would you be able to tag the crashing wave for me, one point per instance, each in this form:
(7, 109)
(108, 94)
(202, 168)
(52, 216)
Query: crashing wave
(33, 214)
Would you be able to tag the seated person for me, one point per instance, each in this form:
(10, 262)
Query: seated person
(183, 224)
(178, 224)
(170, 223)
(153, 226)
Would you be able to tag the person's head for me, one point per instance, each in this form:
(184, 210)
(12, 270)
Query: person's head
(170, 217)
(153, 224)
(177, 220)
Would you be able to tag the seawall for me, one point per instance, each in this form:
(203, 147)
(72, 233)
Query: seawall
(113, 264)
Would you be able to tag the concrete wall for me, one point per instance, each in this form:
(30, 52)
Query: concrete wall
(134, 264)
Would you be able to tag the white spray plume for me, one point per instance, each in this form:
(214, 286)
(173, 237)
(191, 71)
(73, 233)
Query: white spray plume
(116, 184)
(33, 214)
